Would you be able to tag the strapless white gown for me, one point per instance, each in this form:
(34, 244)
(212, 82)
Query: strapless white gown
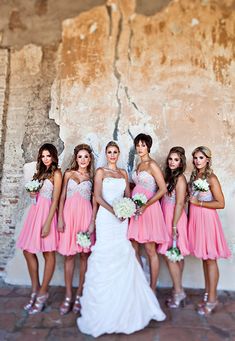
(116, 296)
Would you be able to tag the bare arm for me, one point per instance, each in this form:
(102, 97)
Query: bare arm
(127, 189)
(218, 201)
(94, 212)
(54, 203)
(99, 176)
(181, 189)
(62, 201)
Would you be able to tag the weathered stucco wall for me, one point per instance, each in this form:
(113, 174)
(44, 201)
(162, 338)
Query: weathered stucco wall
(113, 70)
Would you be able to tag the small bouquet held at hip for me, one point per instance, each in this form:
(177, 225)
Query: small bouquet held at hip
(83, 239)
(200, 185)
(124, 208)
(33, 186)
(173, 254)
(139, 199)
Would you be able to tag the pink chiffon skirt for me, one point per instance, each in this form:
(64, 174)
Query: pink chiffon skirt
(206, 237)
(182, 240)
(77, 217)
(30, 237)
(150, 226)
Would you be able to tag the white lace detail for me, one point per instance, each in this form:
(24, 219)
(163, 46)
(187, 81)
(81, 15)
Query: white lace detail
(84, 188)
(170, 198)
(47, 189)
(145, 180)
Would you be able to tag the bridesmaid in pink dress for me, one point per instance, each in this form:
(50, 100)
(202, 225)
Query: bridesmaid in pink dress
(173, 208)
(76, 215)
(206, 237)
(39, 233)
(150, 228)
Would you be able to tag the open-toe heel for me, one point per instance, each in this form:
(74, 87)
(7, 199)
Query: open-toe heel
(178, 300)
(39, 304)
(77, 305)
(66, 306)
(204, 300)
(208, 308)
(31, 302)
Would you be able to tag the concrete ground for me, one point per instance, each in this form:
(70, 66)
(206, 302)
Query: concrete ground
(182, 324)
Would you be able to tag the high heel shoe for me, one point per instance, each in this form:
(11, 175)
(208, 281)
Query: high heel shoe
(39, 304)
(177, 300)
(204, 300)
(66, 306)
(31, 302)
(77, 305)
(208, 308)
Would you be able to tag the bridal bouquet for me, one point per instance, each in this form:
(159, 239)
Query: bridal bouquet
(33, 186)
(124, 208)
(139, 199)
(173, 254)
(83, 239)
(200, 185)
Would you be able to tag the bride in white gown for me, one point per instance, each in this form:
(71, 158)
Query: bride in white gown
(116, 296)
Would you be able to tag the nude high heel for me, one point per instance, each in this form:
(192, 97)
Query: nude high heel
(208, 308)
(177, 300)
(39, 305)
(31, 302)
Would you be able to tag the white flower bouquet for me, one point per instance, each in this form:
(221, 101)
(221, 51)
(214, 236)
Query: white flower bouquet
(200, 185)
(173, 254)
(124, 208)
(33, 186)
(139, 199)
(83, 239)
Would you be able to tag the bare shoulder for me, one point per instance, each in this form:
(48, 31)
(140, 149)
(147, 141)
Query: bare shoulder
(213, 179)
(182, 179)
(153, 165)
(58, 173)
(100, 171)
(123, 172)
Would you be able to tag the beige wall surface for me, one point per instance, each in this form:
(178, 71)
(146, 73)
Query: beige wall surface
(91, 71)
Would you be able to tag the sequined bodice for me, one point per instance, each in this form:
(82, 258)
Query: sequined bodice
(170, 198)
(83, 188)
(202, 196)
(144, 179)
(46, 189)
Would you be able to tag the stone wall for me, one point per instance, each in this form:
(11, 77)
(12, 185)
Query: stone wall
(93, 71)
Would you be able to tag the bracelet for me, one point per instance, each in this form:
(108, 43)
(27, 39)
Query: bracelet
(201, 202)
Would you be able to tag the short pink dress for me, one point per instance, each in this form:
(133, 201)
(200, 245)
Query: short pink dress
(77, 217)
(206, 237)
(150, 226)
(168, 207)
(30, 237)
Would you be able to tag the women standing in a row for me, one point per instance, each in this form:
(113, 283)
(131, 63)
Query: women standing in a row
(39, 233)
(206, 237)
(75, 215)
(149, 229)
(173, 207)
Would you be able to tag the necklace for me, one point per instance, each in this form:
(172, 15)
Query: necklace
(82, 173)
(112, 170)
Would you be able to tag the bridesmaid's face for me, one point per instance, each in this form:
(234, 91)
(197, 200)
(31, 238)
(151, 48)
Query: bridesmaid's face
(174, 161)
(141, 148)
(200, 160)
(46, 158)
(112, 154)
(83, 158)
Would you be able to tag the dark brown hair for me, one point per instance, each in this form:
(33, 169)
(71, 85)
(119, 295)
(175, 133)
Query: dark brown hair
(171, 176)
(147, 139)
(42, 172)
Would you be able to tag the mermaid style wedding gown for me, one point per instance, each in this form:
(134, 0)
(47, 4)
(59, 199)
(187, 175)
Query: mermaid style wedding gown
(116, 296)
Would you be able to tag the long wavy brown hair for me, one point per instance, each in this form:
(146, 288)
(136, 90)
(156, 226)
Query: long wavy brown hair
(171, 176)
(42, 172)
(74, 163)
(208, 170)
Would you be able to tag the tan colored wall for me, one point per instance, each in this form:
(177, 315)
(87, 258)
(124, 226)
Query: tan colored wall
(113, 71)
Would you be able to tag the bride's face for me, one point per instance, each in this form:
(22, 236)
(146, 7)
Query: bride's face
(112, 154)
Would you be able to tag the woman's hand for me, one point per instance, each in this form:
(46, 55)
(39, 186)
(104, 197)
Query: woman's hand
(45, 230)
(33, 194)
(60, 226)
(140, 210)
(91, 228)
(193, 200)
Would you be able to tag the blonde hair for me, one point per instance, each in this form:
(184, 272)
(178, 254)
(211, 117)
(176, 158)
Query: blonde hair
(208, 170)
(112, 144)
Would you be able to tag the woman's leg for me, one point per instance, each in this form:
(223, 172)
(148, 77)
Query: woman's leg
(206, 276)
(69, 263)
(32, 264)
(49, 268)
(213, 276)
(150, 249)
(135, 245)
(82, 271)
(176, 275)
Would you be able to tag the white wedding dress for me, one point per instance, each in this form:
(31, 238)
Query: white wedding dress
(116, 296)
